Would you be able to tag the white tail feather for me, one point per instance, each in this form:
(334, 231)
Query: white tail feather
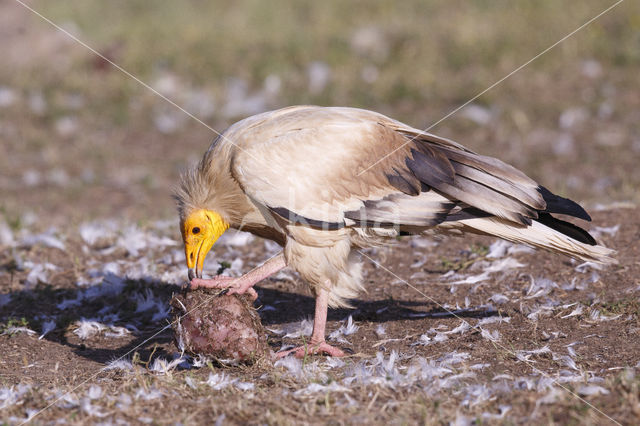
(536, 235)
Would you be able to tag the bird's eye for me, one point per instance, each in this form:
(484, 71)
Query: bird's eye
(196, 230)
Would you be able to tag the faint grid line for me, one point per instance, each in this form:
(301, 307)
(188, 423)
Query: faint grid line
(130, 75)
(495, 84)
(103, 369)
(494, 342)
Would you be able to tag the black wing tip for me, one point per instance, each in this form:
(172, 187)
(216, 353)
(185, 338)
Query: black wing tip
(561, 205)
(567, 228)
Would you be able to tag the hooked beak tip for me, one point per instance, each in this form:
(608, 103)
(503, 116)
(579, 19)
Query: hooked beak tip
(194, 273)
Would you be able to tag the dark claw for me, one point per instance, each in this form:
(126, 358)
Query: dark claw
(191, 274)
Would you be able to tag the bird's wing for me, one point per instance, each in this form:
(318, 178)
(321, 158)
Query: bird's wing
(314, 165)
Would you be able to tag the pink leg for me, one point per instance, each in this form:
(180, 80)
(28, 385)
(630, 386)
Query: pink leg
(316, 345)
(245, 283)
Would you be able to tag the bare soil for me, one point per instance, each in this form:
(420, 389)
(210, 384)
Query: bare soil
(604, 351)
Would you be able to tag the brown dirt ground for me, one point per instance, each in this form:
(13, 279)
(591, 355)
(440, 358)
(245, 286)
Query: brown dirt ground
(606, 349)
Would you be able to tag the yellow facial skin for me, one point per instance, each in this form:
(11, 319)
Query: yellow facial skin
(200, 230)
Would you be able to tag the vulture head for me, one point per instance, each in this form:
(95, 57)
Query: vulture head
(203, 215)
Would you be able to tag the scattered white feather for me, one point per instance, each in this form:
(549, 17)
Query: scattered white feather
(91, 410)
(38, 273)
(314, 388)
(47, 327)
(579, 310)
(504, 265)
(111, 270)
(148, 395)
(540, 287)
(67, 400)
(473, 279)
(479, 366)
(585, 266)
(218, 381)
(499, 299)
(94, 392)
(493, 320)
(191, 382)
(344, 330)
(12, 395)
(124, 401)
(116, 332)
(493, 336)
(380, 330)
(501, 265)
(568, 361)
(47, 239)
(498, 249)
(162, 366)
(419, 263)
(551, 398)
(244, 386)
(423, 340)
(94, 232)
(504, 409)
(305, 372)
(540, 311)
(132, 240)
(296, 329)
(422, 242)
(460, 329)
(596, 315)
(591, 390)
(332, 362)
(88, 328)
(441, 336)
(199, 361)
(120, 364)
(17, 330)
(6, 235)
(453, 358)
(526, 355)
(292, 364)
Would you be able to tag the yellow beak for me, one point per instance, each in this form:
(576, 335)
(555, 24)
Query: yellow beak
(196, 253)
(200, 230)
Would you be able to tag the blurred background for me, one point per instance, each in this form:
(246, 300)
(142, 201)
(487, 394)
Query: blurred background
(80, 140)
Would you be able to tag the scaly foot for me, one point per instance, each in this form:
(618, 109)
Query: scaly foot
(312, 349)
(235, 285)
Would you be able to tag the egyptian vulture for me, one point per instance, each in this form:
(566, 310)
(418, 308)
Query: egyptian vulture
(325, 182)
